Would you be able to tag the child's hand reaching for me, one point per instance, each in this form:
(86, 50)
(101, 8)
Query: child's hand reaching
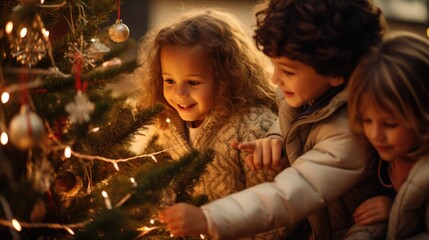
(184, 220)
(376, 209)
(263, 153)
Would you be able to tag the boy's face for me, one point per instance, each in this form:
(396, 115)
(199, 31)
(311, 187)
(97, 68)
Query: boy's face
(188, 81)
(389, 135)
(300, 83)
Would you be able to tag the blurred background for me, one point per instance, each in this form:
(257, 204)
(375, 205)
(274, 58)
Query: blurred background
(141, 15)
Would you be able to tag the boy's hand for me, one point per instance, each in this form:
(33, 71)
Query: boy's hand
(183, 219)
(263, 153)
(376, 209)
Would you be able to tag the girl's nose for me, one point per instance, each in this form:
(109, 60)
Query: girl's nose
(181, 90)
(377, 132)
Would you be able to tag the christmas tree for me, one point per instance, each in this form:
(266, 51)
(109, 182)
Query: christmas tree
(66, 168)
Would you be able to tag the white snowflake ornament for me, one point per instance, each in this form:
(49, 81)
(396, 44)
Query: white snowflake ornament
(80, 109)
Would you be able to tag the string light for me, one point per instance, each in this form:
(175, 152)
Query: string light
(106, 200)
(4, 139)
(5, 97)
(95, 129)
(133, 181)
(69, 230)
(152, 221)
(202, 236)
(16, 225)
(168, 120)
(67, 152)
(154, 158)
(23, 32)
(116, 166)
(9, 27)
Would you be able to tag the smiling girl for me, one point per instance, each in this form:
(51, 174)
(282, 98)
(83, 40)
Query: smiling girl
(215, 86)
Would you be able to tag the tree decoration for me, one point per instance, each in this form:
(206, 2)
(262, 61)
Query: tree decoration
(26, 129)
(119, 32)
(27, 36)
(81, 109)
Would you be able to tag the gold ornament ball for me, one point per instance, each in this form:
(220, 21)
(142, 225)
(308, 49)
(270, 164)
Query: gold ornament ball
(26, 130)
(119, 32)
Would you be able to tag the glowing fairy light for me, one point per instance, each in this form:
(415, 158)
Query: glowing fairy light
(96, 129)
(133, 181)
(106, 200)
(152, 221)
(5, 97)
(16, 225)
(23, 32)
(42, 1)
(168, 120)
(4, 139)
(9, 27)
(202, 236)
(67, 152)
(69, 230)
(153, 158)
(116, 166)
(45, 33)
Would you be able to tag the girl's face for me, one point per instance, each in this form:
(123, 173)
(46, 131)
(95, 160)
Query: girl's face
(300, 83)
(189, 85)
(390, 136)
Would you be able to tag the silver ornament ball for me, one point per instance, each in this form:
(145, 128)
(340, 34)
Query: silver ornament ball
(119, 32)
(26, 130)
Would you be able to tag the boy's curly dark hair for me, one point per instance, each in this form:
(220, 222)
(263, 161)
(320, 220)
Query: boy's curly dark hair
(328, 35)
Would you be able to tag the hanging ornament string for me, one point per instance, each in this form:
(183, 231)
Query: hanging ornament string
(81, 109)
(118, 7)
(119, 32)
(78, 72)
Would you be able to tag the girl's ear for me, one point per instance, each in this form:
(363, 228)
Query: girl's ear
(336, 81)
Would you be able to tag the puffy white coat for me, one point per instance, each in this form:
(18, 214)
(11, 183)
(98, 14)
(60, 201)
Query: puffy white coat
(327, 179)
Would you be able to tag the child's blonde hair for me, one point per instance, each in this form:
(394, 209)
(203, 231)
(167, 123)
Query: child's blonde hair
(395, 77)
(240, 70)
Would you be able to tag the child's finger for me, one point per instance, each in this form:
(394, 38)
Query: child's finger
(249, 162)
(247, 146)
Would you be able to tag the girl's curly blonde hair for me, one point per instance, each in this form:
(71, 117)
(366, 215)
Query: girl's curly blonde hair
(241, 72)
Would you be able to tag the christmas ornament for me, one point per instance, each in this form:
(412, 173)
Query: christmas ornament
(29, 40)
(26, 129)
(119, 32)
(80, 109)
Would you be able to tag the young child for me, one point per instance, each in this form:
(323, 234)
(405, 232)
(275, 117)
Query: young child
(215, 86)
(389, 93)
(314, 46)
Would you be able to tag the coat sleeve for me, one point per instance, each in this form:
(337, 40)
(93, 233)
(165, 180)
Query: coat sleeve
(332, 167)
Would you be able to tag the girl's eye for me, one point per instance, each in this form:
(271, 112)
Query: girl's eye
(169, 81)
(193, 83)
(390, 124)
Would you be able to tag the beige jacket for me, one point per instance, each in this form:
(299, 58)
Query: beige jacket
(409, 217)
(326, 180)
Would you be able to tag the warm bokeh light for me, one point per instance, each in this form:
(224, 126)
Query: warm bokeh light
(9, 27)
(5, 97)
(67, 152)
(23, 32)
(16, 225)
(4, 139)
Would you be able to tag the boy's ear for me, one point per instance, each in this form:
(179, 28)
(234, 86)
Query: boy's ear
(336, 81)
